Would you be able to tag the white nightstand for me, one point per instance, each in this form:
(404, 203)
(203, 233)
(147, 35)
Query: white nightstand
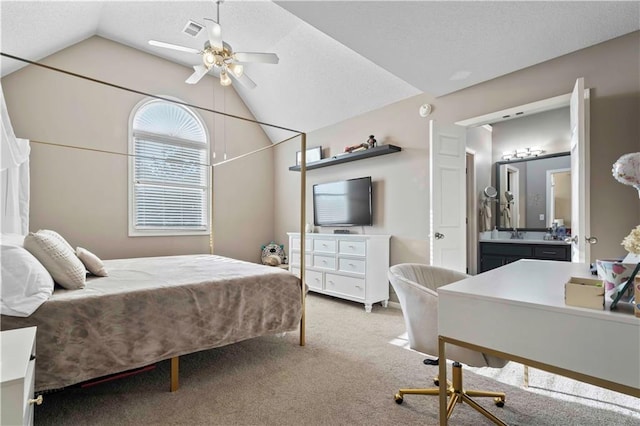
(17, 376)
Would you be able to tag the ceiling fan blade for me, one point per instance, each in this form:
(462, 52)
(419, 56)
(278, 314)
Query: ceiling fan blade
(200, 71)
(244, 80)
(265, 58)
(214, 31)
(173, 46)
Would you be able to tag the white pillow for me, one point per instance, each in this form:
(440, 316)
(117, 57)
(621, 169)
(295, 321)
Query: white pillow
(54, 234)
(58, 258)
(25, 284)
(12, 240)
(91, 262)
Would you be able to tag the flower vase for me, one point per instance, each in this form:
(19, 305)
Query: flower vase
(613, 274)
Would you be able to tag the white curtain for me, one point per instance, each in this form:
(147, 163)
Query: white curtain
(14, 178)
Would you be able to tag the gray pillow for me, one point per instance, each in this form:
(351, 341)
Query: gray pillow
(58, 258)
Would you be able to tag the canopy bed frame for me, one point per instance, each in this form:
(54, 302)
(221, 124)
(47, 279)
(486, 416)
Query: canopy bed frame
(158, 284)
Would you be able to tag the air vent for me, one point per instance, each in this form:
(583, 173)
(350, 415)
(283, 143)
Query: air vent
(192, 28)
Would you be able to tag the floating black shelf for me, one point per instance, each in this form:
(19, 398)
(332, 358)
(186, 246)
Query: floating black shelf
(353, 156)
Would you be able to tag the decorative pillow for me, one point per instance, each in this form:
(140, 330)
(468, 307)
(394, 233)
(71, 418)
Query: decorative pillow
(25, 285)
(54, 234)
(91, 262)
(59, 259)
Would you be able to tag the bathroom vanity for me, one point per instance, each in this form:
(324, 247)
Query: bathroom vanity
(495, 253)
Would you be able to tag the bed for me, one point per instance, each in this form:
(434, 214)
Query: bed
(157, 308)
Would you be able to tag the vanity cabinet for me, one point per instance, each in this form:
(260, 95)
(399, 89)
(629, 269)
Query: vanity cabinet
(348, 266)
(494, 254)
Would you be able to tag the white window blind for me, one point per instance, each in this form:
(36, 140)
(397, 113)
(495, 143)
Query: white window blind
(170, 176)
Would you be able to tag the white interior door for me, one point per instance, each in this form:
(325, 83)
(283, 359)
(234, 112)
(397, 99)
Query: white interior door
(580, 227)
(447, 162)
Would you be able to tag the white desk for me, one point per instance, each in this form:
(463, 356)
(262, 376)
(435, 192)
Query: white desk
(518, 312)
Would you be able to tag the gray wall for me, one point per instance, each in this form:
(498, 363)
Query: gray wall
(83, 194)
(610, 69)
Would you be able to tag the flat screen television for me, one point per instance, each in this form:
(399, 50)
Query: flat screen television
(343, 203)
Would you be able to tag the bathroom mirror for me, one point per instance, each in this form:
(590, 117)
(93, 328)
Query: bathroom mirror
(533, 192)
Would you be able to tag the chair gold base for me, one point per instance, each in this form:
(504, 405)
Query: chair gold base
(458, 395)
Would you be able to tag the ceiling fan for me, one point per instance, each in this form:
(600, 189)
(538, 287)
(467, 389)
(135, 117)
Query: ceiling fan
(218, 55)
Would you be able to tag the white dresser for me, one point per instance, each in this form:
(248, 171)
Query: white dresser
(349, 266)
(17, 369)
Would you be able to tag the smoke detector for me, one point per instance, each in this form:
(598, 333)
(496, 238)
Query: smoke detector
(425, 110)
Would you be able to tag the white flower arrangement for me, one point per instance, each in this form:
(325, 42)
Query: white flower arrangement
(631, 242)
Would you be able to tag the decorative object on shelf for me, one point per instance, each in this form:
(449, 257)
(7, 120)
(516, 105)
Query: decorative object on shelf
(313, 154)
(370, 143)
(627, 170)
(273, 254)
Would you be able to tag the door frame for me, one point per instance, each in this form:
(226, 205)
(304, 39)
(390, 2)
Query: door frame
(472, 213)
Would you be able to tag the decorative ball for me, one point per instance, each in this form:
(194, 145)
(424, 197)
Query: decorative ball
(627, 170)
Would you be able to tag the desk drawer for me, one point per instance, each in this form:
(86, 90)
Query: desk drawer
(551, 252)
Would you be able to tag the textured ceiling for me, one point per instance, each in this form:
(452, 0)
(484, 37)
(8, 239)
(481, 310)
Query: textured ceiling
(337, 59)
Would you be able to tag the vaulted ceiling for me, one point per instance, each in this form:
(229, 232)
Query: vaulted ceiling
(338, 59)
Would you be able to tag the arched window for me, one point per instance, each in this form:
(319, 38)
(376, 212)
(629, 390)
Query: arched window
(168, 177)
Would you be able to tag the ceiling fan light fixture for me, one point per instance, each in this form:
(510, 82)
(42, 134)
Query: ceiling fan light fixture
(209, 59)
(224, 78)
(236, 69)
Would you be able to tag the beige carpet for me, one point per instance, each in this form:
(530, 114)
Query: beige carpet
(346, 375)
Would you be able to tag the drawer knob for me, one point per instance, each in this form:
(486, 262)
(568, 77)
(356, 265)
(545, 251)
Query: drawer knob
(37, 401)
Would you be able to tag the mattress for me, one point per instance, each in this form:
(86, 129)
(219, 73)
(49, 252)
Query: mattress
(156, 308)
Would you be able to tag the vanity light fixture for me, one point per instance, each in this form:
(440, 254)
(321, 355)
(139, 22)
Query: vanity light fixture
(522, 153)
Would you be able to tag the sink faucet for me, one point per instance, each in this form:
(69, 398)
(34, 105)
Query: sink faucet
(516, 235)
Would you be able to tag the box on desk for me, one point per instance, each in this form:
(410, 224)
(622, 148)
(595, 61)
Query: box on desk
(584, 292)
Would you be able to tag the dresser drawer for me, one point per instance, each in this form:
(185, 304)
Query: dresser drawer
(324, 262)
(295, 259)
(295, 244)
(314, 279)
(551, 252)
(346, 286)
(355, 266)
(324, 245)
(352, 247)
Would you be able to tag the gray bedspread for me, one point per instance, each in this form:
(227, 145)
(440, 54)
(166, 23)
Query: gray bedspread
(152, 309)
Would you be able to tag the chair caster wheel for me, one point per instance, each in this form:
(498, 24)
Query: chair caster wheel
(398, 398)
(499, 402)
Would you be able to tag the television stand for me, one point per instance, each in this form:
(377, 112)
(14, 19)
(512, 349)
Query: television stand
(341, 231)
(349, 266)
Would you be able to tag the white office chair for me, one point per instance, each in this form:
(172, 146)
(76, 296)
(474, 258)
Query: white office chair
(416, 284)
